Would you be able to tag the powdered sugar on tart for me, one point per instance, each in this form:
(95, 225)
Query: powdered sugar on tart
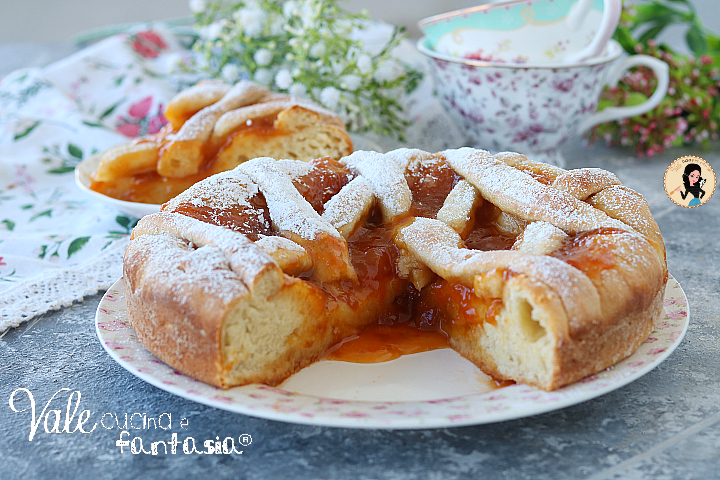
(535, 274)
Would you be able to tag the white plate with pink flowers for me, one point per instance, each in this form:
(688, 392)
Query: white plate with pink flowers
(435, 389)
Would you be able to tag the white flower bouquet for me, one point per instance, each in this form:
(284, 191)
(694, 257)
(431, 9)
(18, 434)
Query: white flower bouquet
(307, 48)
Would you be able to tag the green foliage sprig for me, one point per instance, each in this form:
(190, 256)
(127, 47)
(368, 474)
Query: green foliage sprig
(307, 48)
(690, 113)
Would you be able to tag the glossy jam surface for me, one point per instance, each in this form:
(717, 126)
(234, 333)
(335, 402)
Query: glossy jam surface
(485, 234)
(324, 180)
(252, 220)
(430, 183)
(381, 343)
(588, 251)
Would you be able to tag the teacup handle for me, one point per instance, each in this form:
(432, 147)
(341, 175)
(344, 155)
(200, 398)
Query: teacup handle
(610, 18)
(661, 70)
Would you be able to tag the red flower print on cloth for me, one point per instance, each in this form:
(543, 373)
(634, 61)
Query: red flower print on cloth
(1, 262)
(140, 119)
(147, 44)
(140, 109)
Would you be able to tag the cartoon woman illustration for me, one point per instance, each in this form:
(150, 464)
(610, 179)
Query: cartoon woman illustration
(693, 183)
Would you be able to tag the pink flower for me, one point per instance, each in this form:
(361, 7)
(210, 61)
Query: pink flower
(156, 123)
(1, 262)
(131, 130)
(152, 38)
(140, 109)
(143, 50)
(148, 44)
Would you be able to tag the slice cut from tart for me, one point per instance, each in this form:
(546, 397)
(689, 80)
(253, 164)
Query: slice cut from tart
(214, 127)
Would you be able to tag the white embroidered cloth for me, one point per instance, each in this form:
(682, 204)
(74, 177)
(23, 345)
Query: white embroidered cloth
(58, 245)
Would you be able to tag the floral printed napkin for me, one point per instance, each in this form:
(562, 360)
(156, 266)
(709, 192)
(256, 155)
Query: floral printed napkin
(57, 244)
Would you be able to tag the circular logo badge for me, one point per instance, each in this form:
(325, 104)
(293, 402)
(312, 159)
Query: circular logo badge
(689, 181)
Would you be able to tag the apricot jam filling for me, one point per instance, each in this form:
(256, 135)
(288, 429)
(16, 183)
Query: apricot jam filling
(407, 321)
(587, 251)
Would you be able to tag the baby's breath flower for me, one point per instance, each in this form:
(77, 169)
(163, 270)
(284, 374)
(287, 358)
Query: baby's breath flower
(230, 73)
(264, 76)
(364, 64)
(283, 79)
(290, 8)
(297, 90)
(277, 27)
(211, 32)
(263, 57)
(337, 68)
(330, 97)
(350, 82)
(253, 20)
(308, 48)
(387, 72)
(197, 6)
(317, 50)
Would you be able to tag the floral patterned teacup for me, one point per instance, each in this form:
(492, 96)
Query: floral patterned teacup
(525, 31)
(534, 109)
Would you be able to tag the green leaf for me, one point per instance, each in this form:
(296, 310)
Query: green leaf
(43, 251)
(122, 221)
(111, 109)
(76, 245)
(9, 224)
(696, 40)
(61, 170)
(46, 213)
(27, 131)
(27, 207)
(92, 124)
(652, 33)
(635, 98)
(75, 151)
(625, 38)
(651, 12)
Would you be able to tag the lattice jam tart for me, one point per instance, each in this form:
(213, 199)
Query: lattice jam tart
(535, 274)
(214, 127)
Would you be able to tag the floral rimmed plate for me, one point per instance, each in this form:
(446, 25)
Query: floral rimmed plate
(434, 389)
(84, 170)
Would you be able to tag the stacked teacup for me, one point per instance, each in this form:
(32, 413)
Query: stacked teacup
(527, 75)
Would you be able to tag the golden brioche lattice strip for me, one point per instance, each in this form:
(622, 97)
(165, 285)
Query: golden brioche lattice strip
(539, 238)
(628, 206)
(182, 156)
(408, 158)
(194, 99)
(293, 217)
(126, 160)
(516, 192)
(387, 179)
(257, 270)
(436, 245)
(521, 162)
(459, 205)
(583, 182)
(233, 119)
(347, 210)
(290, 257)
